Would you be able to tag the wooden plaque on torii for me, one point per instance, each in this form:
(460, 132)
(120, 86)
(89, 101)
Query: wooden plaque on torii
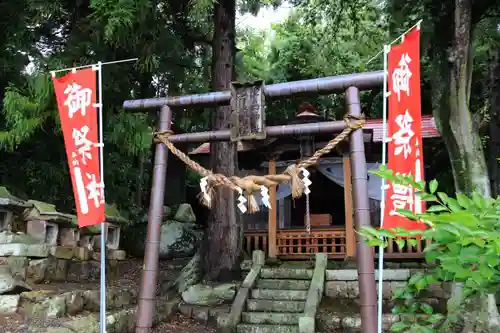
(248, 111)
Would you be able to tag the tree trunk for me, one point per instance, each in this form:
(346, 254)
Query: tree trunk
(494, 128)
(222, 242)
(451, 108)
(461, 137)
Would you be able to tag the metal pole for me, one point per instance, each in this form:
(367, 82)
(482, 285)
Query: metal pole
(325, 85)
(147, 293)
(102, 312)
(382, 194)
(272, 132)
(53, 72)
(395, 40)
(364, 253)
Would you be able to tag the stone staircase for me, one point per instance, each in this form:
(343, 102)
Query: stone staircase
(277, 301)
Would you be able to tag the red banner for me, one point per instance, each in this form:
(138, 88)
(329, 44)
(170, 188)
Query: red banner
(404, 153)
(76, 100)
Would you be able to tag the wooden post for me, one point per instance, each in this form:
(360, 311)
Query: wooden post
(271, 223)
(349, 224)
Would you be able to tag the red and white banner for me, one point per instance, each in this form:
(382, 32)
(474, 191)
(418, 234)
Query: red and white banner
(404, 153)
(76, 101)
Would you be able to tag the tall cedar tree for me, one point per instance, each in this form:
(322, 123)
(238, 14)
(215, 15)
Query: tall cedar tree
(222, 242)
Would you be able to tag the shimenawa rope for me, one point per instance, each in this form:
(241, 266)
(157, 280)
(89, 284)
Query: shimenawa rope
(252, 184)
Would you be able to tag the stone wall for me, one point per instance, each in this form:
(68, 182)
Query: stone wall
(25, 262)
(55, 269)
(47, 304)
(38, 263)
(343, 283)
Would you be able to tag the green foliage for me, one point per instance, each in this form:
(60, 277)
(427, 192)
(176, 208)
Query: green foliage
(252, 61)
(121, 16)
(316, 40)
(415, 314)
(66, 33)
(464, 235)
(131, 133)
(26, 109)
(172, 39)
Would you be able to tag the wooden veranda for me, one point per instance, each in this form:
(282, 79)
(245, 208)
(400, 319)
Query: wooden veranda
(337, 241)
(333, 235)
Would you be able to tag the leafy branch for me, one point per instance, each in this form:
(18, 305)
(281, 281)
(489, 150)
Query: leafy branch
(464, 237)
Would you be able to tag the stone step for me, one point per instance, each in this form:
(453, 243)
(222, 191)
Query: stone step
(204, 313)
(283, 284)
(273, 318)
(264, 305)
(286, 273)
(248, 328)
(280, 294)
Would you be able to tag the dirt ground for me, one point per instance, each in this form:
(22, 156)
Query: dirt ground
(178, 324)
(181, 324)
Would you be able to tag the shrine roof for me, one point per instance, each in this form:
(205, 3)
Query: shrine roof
(113, 215)
(429, 130)
(47, 212)
(9, 200)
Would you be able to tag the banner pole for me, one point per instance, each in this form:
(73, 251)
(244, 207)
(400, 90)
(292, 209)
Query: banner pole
(93, 65)
(396, 40)
(103, 224)
(382, 194)
(98, 67)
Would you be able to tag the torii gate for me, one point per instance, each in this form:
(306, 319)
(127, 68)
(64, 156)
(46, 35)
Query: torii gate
(247, 101)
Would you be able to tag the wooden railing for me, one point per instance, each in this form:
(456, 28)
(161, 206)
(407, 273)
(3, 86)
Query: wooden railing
(255, 240)
(299, 244)
(408, 251)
